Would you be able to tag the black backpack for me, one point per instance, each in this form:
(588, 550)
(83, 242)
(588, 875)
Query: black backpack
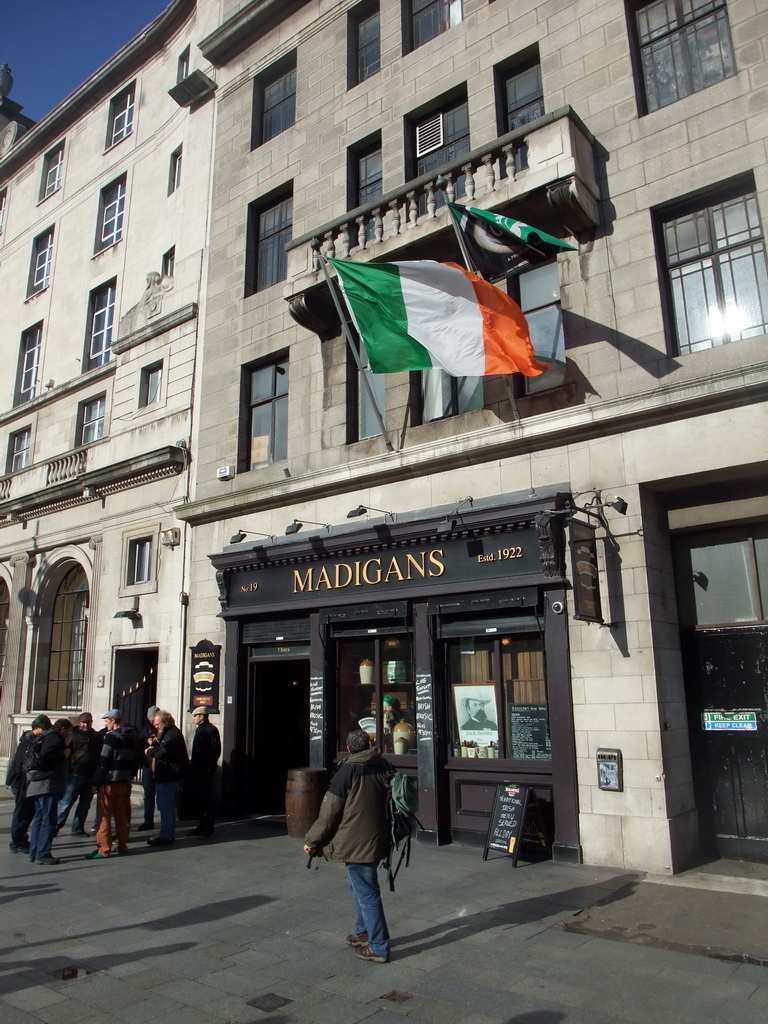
(31, 761)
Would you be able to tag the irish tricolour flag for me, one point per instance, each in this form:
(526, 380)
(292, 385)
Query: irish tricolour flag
(420, 315)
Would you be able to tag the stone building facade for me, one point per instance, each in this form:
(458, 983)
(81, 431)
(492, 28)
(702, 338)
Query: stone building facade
(337, 566)
(102, 261)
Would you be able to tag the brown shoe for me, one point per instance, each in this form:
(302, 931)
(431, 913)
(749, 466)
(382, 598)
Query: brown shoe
(358, 940)
(366, 953)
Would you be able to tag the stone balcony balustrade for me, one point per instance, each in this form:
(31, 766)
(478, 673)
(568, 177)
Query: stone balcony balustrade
(549, 162)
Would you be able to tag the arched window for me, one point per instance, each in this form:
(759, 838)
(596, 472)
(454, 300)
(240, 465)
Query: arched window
(68, 635)
(5, 605)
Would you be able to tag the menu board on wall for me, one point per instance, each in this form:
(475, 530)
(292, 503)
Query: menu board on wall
(529, 732)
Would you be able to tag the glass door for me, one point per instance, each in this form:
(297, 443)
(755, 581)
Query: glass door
(377, 692)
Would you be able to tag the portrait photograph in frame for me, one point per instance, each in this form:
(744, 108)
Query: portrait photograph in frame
(477, 715)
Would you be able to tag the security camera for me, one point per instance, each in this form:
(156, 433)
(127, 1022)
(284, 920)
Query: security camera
(558, 607)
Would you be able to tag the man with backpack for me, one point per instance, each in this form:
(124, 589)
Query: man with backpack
(353, 827)
(24, 806)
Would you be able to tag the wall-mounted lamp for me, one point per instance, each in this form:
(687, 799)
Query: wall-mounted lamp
(131, 613)
(240, 536)
(354, 513)
(296, 525)
(89, 492)
(170, 538)
(464, 501)
(618, 503)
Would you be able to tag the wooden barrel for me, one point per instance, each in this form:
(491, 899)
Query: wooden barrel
(304, 793)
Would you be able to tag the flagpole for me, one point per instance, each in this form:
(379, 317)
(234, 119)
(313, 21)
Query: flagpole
(469, 266)
(356, 355)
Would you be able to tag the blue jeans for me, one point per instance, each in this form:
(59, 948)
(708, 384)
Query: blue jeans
(165, 793)
(43, 826)
(364, 883)
(148, 785)
(80, 790)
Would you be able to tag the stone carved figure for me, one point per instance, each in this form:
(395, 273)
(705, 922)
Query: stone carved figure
(149, 305)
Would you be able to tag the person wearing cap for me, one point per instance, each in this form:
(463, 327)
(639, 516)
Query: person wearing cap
(85, 745)
(146, 733)
(112, 783)
(206, 751)
(45, 784)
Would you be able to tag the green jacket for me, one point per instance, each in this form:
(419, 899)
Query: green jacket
(352, 824)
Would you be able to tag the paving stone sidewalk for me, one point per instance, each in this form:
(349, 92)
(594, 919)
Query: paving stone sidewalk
(238, 930)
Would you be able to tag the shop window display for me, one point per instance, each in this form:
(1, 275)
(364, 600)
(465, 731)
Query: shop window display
(377, 692)
(499, 698)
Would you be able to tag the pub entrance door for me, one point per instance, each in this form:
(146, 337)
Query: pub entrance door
(275, 721)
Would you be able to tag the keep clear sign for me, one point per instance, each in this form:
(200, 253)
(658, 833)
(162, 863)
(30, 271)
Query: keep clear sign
(729, 721)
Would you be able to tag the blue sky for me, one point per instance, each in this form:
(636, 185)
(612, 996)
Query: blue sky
(52, 46)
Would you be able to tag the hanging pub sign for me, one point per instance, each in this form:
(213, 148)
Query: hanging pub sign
(204, 669)
(586, 580)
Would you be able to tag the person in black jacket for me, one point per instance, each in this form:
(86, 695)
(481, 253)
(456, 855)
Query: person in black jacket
(86, 747)
(112, 781)
(206, 751)
(168, 755)
(24, 806)
(45, 784)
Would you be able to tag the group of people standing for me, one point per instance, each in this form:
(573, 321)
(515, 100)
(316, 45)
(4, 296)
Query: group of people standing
(57, 768)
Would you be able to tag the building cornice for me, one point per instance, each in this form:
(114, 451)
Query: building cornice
(159, 326)
(101, 83)
(79, 383)
(254, 21)
(701, 396)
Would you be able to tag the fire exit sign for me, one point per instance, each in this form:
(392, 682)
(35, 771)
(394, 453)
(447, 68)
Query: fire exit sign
(729, 721)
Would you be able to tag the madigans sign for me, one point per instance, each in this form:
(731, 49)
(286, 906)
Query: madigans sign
(500, 555)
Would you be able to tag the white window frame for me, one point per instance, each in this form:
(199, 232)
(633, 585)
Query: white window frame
(53, 171)
(121, 110)
(100, 325)
(29, 363)
(41, 263)
(19, 453)
(111, 215)
(91, 419)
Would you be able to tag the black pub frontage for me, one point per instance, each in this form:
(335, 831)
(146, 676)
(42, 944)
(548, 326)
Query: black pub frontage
(442, 633)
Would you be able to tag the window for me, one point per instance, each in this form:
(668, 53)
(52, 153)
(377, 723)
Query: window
(440, 139)
(267, 413)
(19, 450)
(430, 18)
(365, 180)
(364, 43)
(168, 263)
(91, 420)
(139, 567)
(3, 208)
(523, 97)
(443, 395)
(274, 102)
(538, 293)
(174, 171)
(361, 418)
(722, 577)
(53, 169)
(121, 115)
(100, 322)
(269, 231)
(40, 265)
(498, 694)
(29, 364)
(69, 628)
(370, 670)
(111, 210)
(151, 385)
(685, 46)
(716, 271)
(182, 68)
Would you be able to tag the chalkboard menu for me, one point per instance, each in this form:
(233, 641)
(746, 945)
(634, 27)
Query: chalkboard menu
(515, 819)
(529, 732)
(316, 709)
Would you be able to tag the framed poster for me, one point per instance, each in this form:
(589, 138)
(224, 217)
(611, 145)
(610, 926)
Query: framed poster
(477, 713)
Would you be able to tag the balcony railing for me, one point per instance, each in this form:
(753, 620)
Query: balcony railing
(560, 162)
(66, 468)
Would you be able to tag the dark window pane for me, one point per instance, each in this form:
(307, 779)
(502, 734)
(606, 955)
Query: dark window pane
(368, 47)
(279, 105)
(275, 224)
(525, 99)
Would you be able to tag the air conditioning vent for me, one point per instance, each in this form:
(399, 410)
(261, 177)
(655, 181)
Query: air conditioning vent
(429, 135)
